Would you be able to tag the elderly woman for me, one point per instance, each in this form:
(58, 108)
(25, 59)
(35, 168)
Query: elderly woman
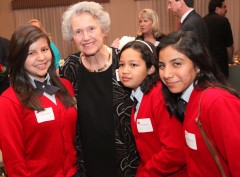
(105, 143)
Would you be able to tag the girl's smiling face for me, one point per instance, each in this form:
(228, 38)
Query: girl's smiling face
(39, 59)
(176, 70)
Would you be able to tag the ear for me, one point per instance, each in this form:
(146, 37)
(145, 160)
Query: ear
(151, 70)
(217, 10)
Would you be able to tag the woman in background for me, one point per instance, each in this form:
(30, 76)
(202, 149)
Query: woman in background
(148, 28)
(38, 117)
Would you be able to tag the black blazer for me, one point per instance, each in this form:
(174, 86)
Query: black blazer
(194, 22)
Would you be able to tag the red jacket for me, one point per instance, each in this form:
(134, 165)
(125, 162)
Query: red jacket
(220, 116)
(32, 149)
(161, 150)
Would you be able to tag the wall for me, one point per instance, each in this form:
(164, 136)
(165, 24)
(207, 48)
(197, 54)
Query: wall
(7, 23)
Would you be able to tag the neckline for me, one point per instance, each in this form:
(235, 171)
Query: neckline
(101, 68)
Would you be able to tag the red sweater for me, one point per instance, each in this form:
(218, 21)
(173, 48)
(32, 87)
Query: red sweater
(220, 116)
(32, 149)
(160, 149)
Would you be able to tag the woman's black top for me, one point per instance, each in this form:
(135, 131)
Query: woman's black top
(105, 143)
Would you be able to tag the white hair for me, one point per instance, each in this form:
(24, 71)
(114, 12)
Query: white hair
(93, 8)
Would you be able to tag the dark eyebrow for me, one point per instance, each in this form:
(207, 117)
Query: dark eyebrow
(174, 59)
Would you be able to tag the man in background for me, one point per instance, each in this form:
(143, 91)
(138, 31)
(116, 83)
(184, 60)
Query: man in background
(4, 80)
(189, 18)
(220, 35)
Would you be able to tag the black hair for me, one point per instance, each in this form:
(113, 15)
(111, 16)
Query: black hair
(213, 4)
(189, 3)
(148, 54)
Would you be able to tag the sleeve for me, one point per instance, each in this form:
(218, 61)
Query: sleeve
(12, 138)
(170, 158)
(224, 124)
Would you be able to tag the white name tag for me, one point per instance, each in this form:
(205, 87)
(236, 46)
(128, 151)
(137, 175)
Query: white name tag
(191, 140)
(117, 75)
(144, 125)
(46, 115)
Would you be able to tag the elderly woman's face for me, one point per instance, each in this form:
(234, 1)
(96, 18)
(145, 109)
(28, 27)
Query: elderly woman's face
(87, 33)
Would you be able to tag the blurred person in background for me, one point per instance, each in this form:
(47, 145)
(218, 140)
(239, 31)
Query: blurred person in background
(4, 71)
(220, 35)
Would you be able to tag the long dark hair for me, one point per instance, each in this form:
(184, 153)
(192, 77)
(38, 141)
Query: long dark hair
(20, 42)
(189, 44)
(148, 54)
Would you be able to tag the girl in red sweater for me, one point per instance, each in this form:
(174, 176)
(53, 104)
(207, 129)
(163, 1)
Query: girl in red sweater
(38, 117)
(187, 70)
(158, 136)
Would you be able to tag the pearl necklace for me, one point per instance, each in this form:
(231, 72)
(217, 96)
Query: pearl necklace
(103, 67)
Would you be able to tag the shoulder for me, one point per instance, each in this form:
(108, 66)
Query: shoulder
(10, 95)
(72, 59)
(156, 91)
(70, 63)
(216, 92)
(194, 17)
(65, 82)
(68, 85)
(215, 95)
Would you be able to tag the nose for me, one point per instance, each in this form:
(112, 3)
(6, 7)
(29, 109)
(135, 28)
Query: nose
(125, 69)
(40, 56)
(166, 73)
(85, 35)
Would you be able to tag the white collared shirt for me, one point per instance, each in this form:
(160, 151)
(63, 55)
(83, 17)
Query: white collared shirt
(185, 15)
(186, 94)
(138, 94)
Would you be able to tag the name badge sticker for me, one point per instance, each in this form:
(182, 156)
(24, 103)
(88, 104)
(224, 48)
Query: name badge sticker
(191, 140)
(144, 125)
(46, 115)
